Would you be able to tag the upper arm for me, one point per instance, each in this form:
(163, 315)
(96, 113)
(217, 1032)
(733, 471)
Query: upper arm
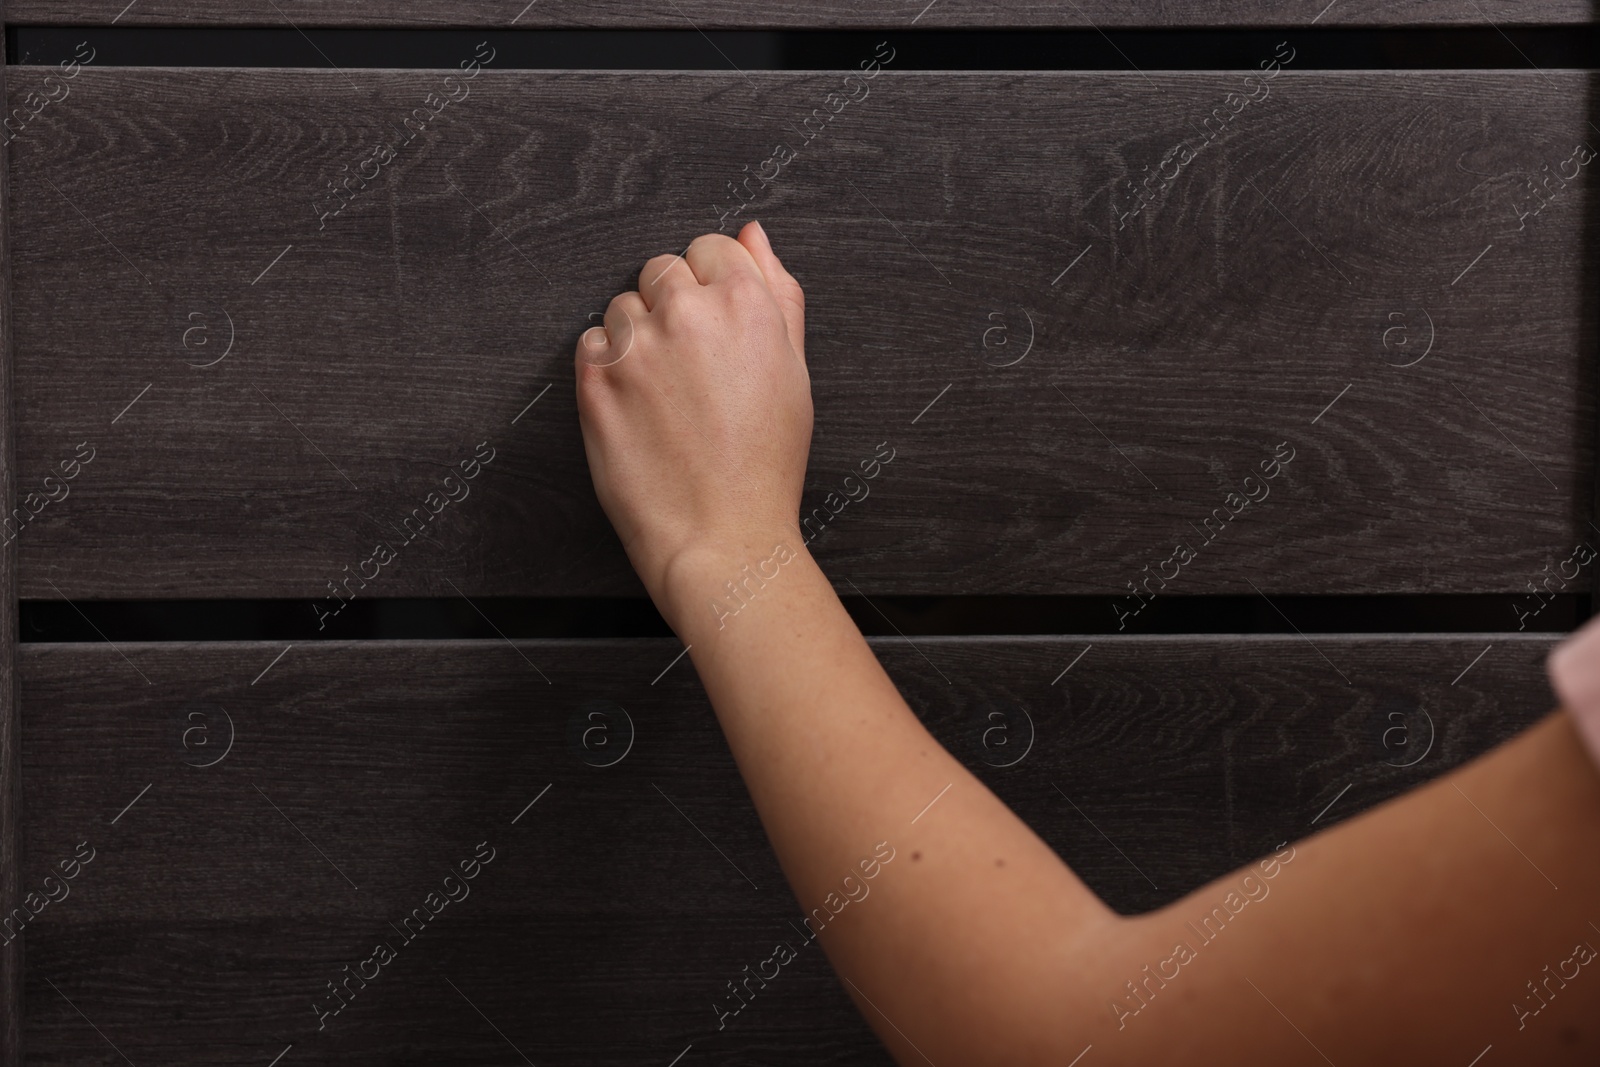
(1409, 934)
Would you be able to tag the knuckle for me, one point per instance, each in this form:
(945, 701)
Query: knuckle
(658, 266)
(680, 310)
(708, 240)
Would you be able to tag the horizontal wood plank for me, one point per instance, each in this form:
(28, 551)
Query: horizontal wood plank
(258, 821)
(733, 14)
(1070, 387)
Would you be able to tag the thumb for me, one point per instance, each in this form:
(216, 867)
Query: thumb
(791, 298)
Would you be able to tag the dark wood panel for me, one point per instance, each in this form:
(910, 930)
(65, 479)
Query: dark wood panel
(220, 899)
(1337, 227)
(10, 739)
(786, 15)
(600, 989)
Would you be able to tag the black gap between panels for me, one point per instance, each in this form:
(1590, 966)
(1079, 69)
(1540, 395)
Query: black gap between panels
(915, 49)
(54, 621)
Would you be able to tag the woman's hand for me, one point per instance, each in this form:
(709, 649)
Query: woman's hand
(695, 406)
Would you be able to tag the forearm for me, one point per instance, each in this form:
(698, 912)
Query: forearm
(820, 733)
(837, 764)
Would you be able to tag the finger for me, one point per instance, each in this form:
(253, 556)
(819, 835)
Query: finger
(593, 345)
(716, 256)
(791, 298)
(661, 276)
(623, 318)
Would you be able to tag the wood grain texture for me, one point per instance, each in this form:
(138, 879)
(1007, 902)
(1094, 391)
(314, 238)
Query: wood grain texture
(221, 901)
(11, 952)
(786, 15)
(1340, 226)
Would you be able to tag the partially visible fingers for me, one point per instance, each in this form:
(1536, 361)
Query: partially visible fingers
(624, 317)
(716, 256)
(593, 346)
(661, 276)
(603, 346)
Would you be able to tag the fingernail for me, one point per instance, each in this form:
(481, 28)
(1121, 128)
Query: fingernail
(757, 224)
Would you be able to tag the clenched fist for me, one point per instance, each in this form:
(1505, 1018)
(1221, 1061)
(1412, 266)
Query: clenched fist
(695, 406)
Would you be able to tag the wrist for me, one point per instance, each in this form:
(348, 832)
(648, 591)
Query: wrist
(708, 581)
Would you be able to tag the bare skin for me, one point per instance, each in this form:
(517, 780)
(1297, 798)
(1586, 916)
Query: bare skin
(1407, 935)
